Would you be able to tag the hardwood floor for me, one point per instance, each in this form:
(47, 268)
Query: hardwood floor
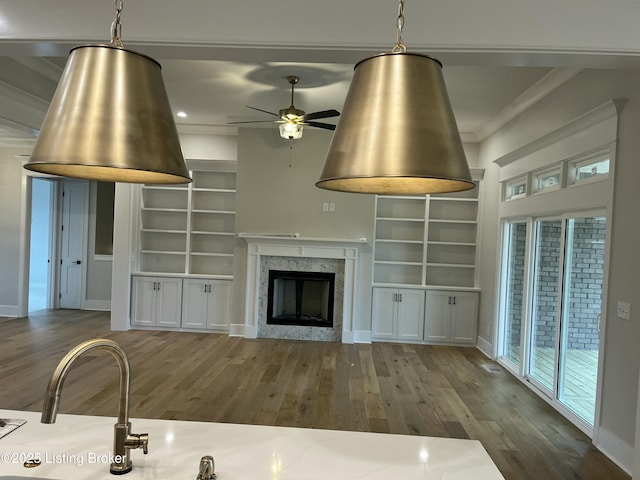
(388, 388)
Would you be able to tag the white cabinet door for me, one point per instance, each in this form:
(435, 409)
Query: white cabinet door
(206, 304)
(438, 318)
(410, 314)
(169, 302)
(452, 316)
(156, 301)
(464, 317)
(194, 303)
(397, 314)
(383, 313)
(143, 301)
(219, 298)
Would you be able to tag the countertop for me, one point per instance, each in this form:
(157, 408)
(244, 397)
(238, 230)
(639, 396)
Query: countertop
(78, 447)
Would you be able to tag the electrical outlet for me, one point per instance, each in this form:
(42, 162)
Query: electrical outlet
(325, 207)
(624, 310)
(332, 207)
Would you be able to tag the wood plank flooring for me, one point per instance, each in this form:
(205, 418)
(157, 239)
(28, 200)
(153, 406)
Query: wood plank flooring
(387, 388)
(581, 376)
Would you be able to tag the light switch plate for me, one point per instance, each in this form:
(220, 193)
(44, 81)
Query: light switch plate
(624, 310)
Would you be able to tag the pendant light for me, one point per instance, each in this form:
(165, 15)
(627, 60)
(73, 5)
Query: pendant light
(110, 119)
(397, 134)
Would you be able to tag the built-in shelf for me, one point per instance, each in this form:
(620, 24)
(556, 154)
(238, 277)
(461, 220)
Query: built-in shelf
(189, 229)
(426, 240)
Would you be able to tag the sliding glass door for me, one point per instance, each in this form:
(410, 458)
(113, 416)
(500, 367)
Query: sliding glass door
(551, 300)
(582, 300)
(515, 243)
(546, 286)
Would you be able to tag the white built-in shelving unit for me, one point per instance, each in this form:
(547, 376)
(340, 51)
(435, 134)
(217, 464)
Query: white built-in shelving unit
(426, 240)
(424, 243)
(189, 229)
(186, 236)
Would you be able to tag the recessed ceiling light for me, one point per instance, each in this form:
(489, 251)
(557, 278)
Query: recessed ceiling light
(181, 114)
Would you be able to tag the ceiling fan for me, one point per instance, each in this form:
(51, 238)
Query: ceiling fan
(292, 120)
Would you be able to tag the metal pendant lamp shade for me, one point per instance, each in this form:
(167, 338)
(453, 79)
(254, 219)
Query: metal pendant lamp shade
(397, 134)
(110, 120)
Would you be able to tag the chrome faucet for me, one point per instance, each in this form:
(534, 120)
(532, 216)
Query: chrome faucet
(206, 471)
(123, 439)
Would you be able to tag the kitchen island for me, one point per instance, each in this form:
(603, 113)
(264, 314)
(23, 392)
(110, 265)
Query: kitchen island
(80, 447)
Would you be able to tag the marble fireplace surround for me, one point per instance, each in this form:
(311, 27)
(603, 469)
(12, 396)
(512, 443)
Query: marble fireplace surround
(335, 251)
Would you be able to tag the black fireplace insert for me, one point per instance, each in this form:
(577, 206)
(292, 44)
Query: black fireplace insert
(300, 298)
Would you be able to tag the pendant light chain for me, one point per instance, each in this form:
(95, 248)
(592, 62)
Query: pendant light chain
(399, 47)
(116, 26)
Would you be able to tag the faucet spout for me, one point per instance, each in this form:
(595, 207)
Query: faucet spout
(123, 439)
(206, 470)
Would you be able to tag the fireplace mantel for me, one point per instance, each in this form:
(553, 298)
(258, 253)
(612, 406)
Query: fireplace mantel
(293, 245)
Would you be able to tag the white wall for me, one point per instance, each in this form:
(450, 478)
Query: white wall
(11, 212)
(590, 89)
(98, 288)
(274, 197)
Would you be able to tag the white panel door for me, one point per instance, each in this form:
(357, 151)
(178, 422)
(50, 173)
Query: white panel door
(73, 243)
(438, 318)
(143, 301)
(383, 313)
(219, 305)
(169, 302)
(194, 303)
(464, 317)
(410, 314)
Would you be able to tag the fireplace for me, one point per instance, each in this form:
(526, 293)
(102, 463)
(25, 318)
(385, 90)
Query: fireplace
(300, 298)
(292, 253)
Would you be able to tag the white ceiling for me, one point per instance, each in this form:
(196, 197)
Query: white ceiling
(499, 57)
(214, 93)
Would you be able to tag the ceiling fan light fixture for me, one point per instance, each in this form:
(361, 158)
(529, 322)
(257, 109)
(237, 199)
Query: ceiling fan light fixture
(291, 131)
(397, 134)
(110, 119)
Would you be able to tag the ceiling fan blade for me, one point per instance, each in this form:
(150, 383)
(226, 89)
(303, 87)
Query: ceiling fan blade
(263, 111)
(326, 126)
(251, 121)
(322, 114)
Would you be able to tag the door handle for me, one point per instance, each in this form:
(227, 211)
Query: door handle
(77, 262)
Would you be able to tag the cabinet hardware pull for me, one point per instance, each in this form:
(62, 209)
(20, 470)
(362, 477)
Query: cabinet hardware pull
(399, 297)
(454, 300)
(449, 300)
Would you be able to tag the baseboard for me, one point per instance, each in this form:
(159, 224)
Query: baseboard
(9, 311)
(362, 336)
(238, 330)
(485, 347)
(615, 449)
(100, 305)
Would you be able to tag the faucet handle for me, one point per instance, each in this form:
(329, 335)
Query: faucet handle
(138, 440)
(206, 469)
